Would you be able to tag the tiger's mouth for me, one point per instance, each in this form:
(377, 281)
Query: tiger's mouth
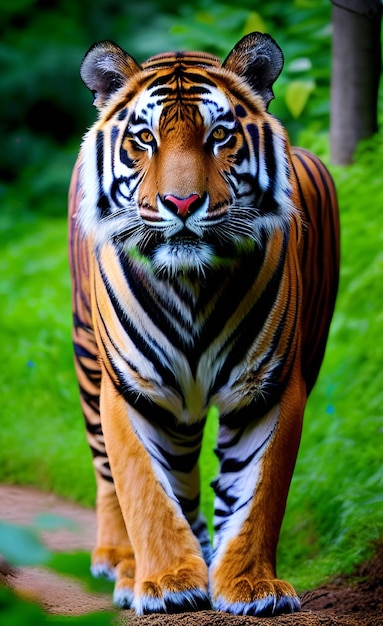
(184, 237)
(183, 254)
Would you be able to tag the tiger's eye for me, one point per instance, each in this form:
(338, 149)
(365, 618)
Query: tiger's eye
(219, 133)
(146, 136)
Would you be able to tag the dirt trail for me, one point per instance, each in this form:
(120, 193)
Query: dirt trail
(358, 603)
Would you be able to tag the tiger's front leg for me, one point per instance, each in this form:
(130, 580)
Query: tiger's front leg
(257, 459)
(171, 575)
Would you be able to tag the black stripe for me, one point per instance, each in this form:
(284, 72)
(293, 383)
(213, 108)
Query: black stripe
(152, 412)
(269, 204)
(122, 114)
(158, 309)
(139, 339)
(268, 145)
(95, 429)
(277, 384)
(252, 323)
(100, 155)
(195, 77)
(188, 505)
(223, 495)
(230, 502)
(231, 464)
(103, 203)
(233, 285)
(181, 462)
(162, 91)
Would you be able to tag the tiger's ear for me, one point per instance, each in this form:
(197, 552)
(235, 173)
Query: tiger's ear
(259, 60)
(105, 68)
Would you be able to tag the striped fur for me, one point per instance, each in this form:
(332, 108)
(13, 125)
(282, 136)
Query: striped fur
(204, 254)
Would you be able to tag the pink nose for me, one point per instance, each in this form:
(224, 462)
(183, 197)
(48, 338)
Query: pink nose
(182, 206)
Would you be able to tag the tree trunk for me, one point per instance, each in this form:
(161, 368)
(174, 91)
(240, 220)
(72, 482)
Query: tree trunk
(356, 67)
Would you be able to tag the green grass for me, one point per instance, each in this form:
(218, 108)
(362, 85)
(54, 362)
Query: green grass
(42, 441)
(335, 507)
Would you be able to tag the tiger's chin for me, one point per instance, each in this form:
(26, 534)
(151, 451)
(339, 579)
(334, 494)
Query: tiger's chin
(182, 256)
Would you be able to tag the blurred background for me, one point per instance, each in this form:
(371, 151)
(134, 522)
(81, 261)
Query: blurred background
(45, 108)
(335, 512)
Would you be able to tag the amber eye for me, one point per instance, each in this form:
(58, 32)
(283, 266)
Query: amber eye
(145, 136)
(220, 133)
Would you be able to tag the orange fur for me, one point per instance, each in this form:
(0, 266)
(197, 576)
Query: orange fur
(145, 537)
(167, 554)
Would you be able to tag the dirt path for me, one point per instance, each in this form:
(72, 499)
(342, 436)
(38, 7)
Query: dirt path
(358, 603)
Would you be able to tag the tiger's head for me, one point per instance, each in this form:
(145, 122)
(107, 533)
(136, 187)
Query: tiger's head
(185, 166)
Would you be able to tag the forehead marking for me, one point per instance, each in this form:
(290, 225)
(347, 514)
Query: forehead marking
(182, 90)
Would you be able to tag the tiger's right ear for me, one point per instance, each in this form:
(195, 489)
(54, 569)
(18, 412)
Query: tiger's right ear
(105, 68)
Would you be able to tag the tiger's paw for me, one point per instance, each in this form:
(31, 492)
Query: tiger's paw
(123, 593)
(182, 590)
(157, 600)
(264, 598)
(107, 560)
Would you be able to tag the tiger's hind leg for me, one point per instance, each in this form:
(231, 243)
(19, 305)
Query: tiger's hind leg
(112, 556)
(257, 461)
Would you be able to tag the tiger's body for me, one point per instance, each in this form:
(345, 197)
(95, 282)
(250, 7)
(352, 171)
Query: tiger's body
(204, 255)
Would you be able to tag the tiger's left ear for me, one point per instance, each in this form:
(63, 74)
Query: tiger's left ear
(259, 60)
(105, 68)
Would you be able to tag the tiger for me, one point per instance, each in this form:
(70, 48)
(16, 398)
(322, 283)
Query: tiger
(204, 254)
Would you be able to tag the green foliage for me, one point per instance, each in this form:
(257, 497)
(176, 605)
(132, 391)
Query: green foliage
(18, 612)
(39, 393)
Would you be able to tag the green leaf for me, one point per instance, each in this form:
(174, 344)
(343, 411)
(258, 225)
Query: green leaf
(22, 546)
(14, 6)
(302, 64)
(76, 565)
(305, 4)
(16, 611)
(49, 521)
(297, 95)
(254, 22)
(204, 17)
(213, 413)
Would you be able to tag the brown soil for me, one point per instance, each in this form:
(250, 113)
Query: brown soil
(355, 601)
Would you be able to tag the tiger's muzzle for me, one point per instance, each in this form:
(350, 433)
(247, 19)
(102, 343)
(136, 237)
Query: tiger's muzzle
(183, 207)
(175, 216)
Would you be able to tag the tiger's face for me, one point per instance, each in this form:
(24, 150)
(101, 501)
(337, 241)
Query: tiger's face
(185, 166)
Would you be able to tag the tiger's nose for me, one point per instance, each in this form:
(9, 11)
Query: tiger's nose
(183, 206)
